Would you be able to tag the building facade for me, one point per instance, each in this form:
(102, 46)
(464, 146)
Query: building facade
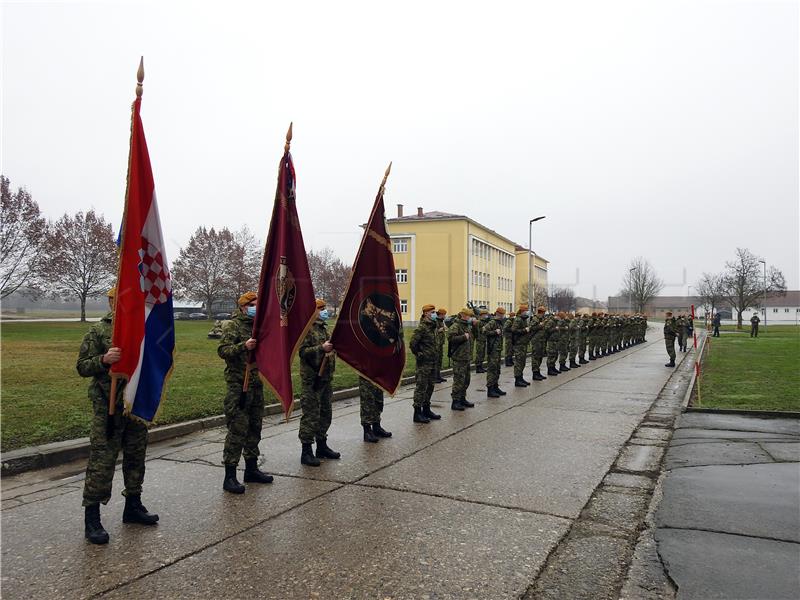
(448, 260)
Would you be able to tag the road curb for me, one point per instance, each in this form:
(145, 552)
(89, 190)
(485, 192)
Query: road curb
(767, 414)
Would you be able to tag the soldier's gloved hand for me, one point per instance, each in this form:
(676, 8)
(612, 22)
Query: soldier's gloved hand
(250, 344)
(327, 346)
(113, 355)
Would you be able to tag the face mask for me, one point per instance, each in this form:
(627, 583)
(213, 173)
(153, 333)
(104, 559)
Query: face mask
(323, 314)
(251, 311)
(527, 313)
(433, 316)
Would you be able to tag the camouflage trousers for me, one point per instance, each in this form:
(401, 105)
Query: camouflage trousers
(461, 376)
(480, 351)
(317, 410)
(439, 360)
(552, 353)
(563, 347)
(493, 362)
(582, 344)
(423, 389)
(244, 424)
(520, 357)
(130, 436)
(754, 330)
(670, 343)
(509, 347)
(371, 402)
(572, 349)
(538, 351)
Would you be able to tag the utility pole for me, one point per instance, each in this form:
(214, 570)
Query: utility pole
(530, 264)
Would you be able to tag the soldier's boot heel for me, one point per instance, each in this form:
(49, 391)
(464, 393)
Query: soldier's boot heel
(252, 474)
(135, 512)
(552, 371)
(537, 376)
(499, 391)
(93, 528)
(466, 403)
(323, 451)
(670, 364)
(456, 405)
(492, 393)
(519, 382)
(426, 410)
(380, 431)
(369, 436)
(563, 367)
(231, 484)
(419, 417)
(573, 364)
(583, 361)
(307, 456)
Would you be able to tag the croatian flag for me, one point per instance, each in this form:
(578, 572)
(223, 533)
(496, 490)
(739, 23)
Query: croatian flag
(144, 327)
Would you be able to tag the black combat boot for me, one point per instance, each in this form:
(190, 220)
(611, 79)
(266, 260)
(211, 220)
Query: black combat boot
(537, 376)
(135, 512)
(480, 369)
(519, 382)
(466, 403)
(670, 364)
(456, 405)
(380, 431)
(592, 356)
(426, 410)
(440, 379)
(583, 361)
(252, 474)
(509, 361)
(231, 484)
(419, 417)
(307, 456)
(93, 528)
(369, 436)
(323, 451)
(490, 393)
(552, 371)
(499, 391)
(573, 364)
(563, 367)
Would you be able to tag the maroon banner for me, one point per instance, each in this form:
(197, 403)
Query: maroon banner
(369, 332)
(285, 307)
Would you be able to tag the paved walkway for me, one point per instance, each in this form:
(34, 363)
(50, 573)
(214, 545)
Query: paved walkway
(487, 503)
(728, 525)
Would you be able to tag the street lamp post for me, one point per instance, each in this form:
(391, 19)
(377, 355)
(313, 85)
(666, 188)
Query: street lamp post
(689, 297)
(764, 262)
(630, 288)
(530, 264)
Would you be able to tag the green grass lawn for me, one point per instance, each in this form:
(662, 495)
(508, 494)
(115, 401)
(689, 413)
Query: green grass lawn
(44, 399)
(747, 373)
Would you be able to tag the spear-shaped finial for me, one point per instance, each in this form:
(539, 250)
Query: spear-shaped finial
(140, 78)
(288, 138)
(386, 176)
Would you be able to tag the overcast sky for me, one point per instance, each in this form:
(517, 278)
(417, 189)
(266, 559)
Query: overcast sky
(662, 129)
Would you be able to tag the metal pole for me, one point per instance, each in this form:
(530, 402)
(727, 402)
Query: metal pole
(765, 294)
(530, 267)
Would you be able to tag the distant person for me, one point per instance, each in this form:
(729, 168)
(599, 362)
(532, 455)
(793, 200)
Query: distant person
(680, 327)
(459, 344)
(441, 334)
(423, 345)
(754, 321)
(129, 435)
(689, 331)
(670, 333)
(716, 321)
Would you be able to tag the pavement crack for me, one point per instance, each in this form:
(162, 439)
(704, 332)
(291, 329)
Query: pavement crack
(744, 535)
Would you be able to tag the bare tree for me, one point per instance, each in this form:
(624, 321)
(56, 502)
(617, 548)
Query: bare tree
(561, 299)
(540, 295)
(244, 263)
(80, 257)
(744, 282)
(711, 291)
(22, 234)
(329, 275)
(201, 271)
(641, 283)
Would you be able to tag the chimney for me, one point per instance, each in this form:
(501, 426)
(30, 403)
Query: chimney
(419, 211)
(399, 211)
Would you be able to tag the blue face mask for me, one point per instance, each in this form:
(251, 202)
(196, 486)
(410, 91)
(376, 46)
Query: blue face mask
(323, 314)
(433, 316)
(251, 311)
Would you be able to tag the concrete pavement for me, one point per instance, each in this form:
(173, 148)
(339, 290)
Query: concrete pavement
(537, 493)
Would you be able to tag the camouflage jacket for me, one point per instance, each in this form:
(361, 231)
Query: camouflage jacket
(574, 327)
(492, 330)
(670, 328)
(441, 334)
(312, 354)
(537, 326)
(231, 349)
(552, 329)
(518, 330)
(423, 342)
(507, 327)
(459, 347)
(480, 334)
(95, 344)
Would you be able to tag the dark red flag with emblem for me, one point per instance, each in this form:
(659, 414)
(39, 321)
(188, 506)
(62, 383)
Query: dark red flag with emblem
(285, 308)
(369, 332)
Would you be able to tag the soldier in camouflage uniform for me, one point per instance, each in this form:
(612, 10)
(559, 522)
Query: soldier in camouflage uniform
(316, 354)
(129, 435)
(459, 343)
(371, 408)
(574, 340)
(521, 335)
(538, 341)
(680, 330)
(493, 332)
(480, 340)
(441, 335)
(507, 339)
(563, 341)
(670, 333)
(423, 345)
(551, 343)
(244, 411)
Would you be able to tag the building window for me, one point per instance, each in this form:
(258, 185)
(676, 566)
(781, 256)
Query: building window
(786, 310)
(774, 310)
(404, 306)
(401, 275)
(400, 245)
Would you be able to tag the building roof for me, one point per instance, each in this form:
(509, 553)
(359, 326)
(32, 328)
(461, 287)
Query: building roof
(437, 215)
(789, 298)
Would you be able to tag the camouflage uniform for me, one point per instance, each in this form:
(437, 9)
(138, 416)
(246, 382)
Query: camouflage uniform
(574, 333)
(538, 340)
(521, 336)
(680, 330)
(480, 344)
(754, 321)
(583, 338)
(507, 339)
(493, 334)
(243, 422)
(130, 435)
(670, 333)
(423, 345)
(441, 334)
(460, 350)
(563, 342)
(317, 393)
(552, 332)
(371, 401)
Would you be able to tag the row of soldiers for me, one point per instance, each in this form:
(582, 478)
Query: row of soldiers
(680, 328)
(565, 340)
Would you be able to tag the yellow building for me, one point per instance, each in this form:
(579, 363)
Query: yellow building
(448, 260)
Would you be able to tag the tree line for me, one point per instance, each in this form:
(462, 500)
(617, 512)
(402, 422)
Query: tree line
(75, 256)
